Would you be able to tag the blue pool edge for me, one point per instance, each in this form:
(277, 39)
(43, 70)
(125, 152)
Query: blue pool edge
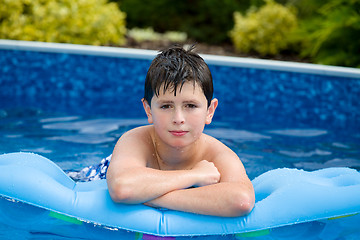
(210, 59)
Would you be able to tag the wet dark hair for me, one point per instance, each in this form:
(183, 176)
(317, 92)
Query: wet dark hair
(174, 66)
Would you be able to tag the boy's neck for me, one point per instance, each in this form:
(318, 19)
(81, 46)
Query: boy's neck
(170, 158)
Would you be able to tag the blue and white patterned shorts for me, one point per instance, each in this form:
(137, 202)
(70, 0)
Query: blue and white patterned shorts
(94, 172)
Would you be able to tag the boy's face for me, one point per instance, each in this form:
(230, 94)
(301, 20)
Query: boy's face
(179, 120)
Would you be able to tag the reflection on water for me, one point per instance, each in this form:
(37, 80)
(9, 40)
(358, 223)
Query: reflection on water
(235, 134)
(299, 132)
(93, 126)
(74, 142)
(337, 162)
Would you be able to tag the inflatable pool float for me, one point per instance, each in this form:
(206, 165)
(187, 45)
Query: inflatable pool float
(33, 190)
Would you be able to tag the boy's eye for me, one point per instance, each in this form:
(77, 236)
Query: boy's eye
(166, 106)
(191, 105)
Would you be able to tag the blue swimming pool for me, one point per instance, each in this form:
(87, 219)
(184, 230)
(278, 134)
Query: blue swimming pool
(109, 82)
(82, 98)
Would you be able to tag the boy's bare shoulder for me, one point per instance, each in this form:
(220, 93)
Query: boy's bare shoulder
(143, 133)
(214, 148)
(225, 160)
(139, 138)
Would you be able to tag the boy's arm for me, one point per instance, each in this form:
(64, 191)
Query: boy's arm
(232, 196)
(141, 184)
(222, 199)
(131, 181)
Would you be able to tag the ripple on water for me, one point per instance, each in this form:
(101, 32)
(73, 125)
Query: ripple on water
(59, 119)
(337, 162)
(303, 154)
(84, 138)
(95, 126)
(299, 132)
(340, 145)
(37, 150)
(233, 134)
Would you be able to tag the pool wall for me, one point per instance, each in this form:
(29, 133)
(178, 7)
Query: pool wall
(108, 81)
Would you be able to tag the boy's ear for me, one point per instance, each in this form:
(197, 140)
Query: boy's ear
(147, 109)
(211, 110)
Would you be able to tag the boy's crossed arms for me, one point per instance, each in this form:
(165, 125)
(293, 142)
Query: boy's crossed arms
(221, 185)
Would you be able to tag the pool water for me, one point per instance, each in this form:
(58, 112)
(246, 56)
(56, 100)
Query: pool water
(71, 103)
(74, 142)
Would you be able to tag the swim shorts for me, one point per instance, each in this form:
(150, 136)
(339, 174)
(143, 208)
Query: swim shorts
(94, 172)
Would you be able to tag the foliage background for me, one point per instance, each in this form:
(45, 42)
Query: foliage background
(323, 31)
(66, 21)
(326, 31)
(264, 30)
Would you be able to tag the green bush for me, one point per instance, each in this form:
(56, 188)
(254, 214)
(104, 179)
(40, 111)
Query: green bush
(93, 22)
(209, 20)
(333, 36)
(205, 21)
(307, 8)
(148, 34)
(265, 30)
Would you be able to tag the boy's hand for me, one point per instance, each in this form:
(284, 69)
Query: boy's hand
(206, 172)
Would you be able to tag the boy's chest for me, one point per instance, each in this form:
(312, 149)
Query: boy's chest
(175, 162)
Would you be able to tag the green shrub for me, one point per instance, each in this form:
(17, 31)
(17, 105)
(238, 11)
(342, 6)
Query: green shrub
(203, 20)
(148, 34)
(265, 30)
(209, 20)
(333, 37)
(307, 8)
(67, 21)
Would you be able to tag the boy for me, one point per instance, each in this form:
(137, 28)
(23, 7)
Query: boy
(172, 163)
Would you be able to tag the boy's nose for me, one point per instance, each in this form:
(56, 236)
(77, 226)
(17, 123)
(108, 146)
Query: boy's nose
(178, 117)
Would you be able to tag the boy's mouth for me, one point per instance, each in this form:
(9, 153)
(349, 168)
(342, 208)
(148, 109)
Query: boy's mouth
(178, 133)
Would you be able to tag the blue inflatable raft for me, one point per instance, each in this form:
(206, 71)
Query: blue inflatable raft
(35, 190)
